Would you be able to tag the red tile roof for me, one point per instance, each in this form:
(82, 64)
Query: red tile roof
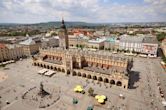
(2, 46)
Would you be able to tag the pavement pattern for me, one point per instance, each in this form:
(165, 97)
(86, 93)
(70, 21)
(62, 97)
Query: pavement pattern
(143, 93)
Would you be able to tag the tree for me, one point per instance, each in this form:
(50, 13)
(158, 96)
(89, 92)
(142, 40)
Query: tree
(127, 51)
(161, 36)
(75, 101)
(118, 50)
(90, 91)
(164, 59)
(77, 45)
(133, 51)
(81, 46)
(101, 48)
(113, 49)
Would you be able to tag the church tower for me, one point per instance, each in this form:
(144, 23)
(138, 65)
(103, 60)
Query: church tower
(63, 36)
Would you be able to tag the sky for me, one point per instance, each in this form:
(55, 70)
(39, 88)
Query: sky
(92, 11)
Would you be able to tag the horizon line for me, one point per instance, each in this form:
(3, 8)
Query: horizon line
(84, 22)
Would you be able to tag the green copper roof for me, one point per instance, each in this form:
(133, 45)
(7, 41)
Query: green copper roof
(111, 39)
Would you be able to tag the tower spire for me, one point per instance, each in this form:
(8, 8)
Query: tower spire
(63, 22)
(63, 36)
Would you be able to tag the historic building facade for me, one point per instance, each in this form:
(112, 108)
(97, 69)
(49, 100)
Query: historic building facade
(82, 63)
(78, 41)
(163, 47)
(30, 47)
(150, 46)
(10, 52)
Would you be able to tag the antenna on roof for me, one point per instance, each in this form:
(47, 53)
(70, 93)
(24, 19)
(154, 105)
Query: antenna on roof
(63, 19)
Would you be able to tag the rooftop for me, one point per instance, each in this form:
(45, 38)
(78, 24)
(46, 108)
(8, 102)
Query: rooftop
(111, 39)
(80, 36)
(12, 46)
(98, 54)
(2, 46)
(29, 41)
(98, 40)
(127, 38)
(152, 40)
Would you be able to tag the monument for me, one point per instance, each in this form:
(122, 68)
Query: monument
(40, 97)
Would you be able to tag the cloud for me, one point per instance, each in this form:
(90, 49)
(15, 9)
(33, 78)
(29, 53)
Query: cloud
(156, 2)
(31, 11)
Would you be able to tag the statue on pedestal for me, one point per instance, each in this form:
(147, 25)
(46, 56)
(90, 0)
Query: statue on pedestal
(42, 92)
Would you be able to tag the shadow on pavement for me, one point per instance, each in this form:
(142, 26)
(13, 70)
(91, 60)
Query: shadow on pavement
(134, 77)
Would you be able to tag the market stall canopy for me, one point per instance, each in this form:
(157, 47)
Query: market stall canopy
(100, 98)
(164, 103)
(49, 73)
(78, 88)
(103, 96)
(97, 96)
(42, 71)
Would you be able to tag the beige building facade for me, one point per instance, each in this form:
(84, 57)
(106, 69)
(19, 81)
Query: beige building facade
(96, 43)
(15, 52)
(163, 47)
(4, 56)
(30, 47)
(92, 65)
(76, 41)
(10, 52)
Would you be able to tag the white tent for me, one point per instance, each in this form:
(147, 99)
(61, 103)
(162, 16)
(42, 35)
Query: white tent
(164, 103)
(49, 73)
(42, 71)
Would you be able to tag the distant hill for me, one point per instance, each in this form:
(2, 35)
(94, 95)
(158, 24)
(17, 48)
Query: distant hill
(68, 23)
(57, 24)
(51, 24)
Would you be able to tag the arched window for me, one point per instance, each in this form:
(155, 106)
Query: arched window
(106, 80)
(94, 78)
(100, 79)
(89, 76)
(55, 68)
(112, 82)
(51, 67)
(68, 71)
(83, 75)
(74, 73)
(79, 74)
(63, 70)
(119, 83)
